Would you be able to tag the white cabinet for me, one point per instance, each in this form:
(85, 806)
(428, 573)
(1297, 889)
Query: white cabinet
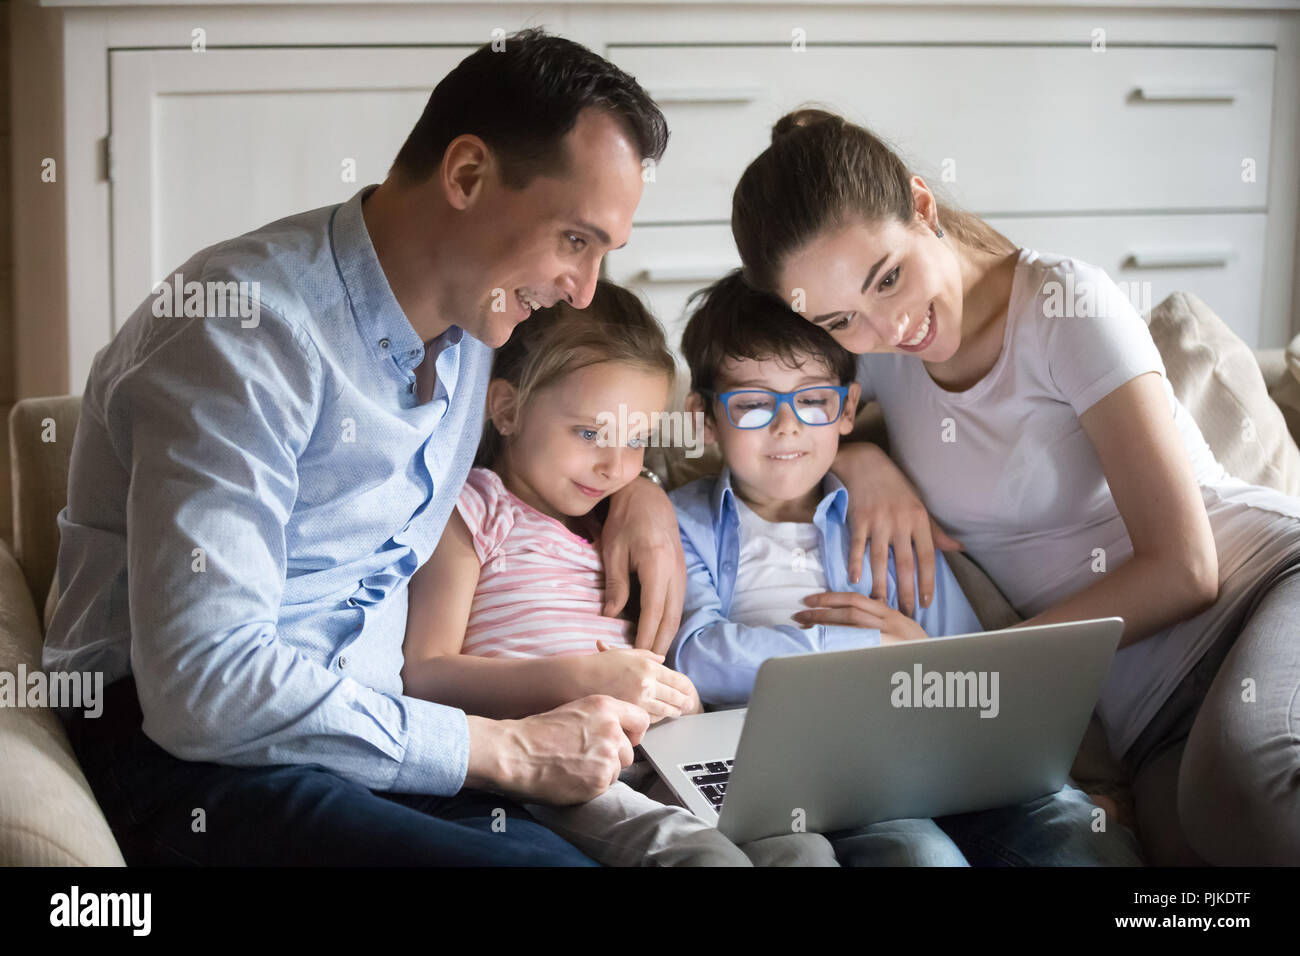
(1171, 158)
(1015, 129)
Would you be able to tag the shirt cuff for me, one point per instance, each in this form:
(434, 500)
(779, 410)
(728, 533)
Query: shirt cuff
(437, 749)
(844, 637)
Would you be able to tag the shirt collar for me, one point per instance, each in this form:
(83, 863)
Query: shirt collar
(381, 323)
(834, 503)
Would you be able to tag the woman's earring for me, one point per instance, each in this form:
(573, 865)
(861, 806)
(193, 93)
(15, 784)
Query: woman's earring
(938, 231)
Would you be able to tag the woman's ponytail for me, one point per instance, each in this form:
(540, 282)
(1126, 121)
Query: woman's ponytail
(800, 118)
(819, 172)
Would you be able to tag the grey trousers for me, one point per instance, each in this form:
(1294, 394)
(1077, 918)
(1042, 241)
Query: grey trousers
(1216, 774)
(625, 826)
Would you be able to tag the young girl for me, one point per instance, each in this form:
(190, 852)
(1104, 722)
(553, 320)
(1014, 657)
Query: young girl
(505, 618)
(1069, 447)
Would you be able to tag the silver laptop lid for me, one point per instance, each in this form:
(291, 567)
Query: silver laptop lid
(928, 728)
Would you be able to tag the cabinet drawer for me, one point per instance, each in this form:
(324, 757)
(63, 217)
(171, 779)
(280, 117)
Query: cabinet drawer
(665, 264)
(1217, 257)
(1020, 130)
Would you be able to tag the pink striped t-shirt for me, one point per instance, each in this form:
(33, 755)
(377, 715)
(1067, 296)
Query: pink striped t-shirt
(541, 586)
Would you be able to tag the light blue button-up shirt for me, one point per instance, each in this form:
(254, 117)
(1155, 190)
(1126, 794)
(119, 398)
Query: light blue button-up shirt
(721, 657)
(248, 500)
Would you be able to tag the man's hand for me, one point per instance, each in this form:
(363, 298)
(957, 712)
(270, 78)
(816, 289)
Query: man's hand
(858, 610)
(885, 509)
(564, 756)
(640, 537)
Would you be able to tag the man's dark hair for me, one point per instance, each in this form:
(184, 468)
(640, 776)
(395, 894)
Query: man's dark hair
(522, 100)
(736, 321)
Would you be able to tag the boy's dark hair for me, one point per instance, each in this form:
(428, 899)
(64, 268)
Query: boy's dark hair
(521, 100)
(736, 321)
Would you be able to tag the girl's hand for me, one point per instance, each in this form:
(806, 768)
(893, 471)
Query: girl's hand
(885, 509)
(858, 610)
(640, 537)
(639, 677)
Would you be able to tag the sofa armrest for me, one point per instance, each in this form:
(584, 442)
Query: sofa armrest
(48, 814)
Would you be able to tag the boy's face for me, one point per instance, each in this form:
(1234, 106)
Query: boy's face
(560, 460)
(787, 459)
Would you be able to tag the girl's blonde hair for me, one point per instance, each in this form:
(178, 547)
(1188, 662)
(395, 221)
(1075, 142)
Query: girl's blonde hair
(557, 341)
(820, 172)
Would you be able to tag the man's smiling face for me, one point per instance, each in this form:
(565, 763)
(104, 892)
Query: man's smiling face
(544, 243)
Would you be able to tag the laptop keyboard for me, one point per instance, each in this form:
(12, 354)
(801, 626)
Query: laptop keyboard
(710, 778)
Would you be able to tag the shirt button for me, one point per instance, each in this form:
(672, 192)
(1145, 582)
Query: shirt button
(352, 602)
(343, 661)
(411, 388)
(383, 343)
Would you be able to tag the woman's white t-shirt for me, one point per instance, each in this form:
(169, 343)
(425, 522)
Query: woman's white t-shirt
(1006, 468)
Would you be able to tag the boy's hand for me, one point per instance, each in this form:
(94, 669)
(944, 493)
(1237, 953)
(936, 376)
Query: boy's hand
(858, 610)
(637, 676)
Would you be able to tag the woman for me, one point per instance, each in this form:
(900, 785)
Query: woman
(1027, 403)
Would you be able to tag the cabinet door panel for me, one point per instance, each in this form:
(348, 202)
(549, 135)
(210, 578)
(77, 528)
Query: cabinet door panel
(210, 145)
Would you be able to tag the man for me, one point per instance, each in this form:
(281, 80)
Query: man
(248, 497)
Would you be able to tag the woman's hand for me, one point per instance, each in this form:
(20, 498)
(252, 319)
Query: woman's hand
(885, 509)
(858, 610)
(638, 677)
(640, 537)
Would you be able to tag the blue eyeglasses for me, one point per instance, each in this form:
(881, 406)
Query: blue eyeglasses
(756, 407)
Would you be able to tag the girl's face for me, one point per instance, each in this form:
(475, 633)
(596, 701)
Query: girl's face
(564, 451)
(889, 287)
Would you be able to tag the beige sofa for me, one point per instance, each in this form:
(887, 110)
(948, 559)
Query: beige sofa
(48, 815)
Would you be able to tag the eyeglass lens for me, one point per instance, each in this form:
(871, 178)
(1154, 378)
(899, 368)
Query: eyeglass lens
(815, 406)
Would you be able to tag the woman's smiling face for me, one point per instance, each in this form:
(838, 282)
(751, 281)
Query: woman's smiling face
(884, 287)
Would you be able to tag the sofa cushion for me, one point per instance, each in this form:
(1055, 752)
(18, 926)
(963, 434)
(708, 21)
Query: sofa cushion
(48, 814)
(1217, 377)
(1284, 388)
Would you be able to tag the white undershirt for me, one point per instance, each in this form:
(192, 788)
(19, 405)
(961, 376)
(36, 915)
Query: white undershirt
(780, 564)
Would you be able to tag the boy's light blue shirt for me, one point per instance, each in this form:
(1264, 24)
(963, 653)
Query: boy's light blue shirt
(248, 500)
(722, 658)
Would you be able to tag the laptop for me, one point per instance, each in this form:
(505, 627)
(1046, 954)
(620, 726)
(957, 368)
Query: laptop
(843, 739)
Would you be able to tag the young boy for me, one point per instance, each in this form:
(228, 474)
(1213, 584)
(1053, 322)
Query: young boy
(771, 530)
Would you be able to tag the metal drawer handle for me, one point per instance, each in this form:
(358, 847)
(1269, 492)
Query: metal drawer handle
(708, 94)
(694, 272)
(1179, 259)
(1186, 94)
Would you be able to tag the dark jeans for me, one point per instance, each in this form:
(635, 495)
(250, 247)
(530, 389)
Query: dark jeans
(167, 811)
